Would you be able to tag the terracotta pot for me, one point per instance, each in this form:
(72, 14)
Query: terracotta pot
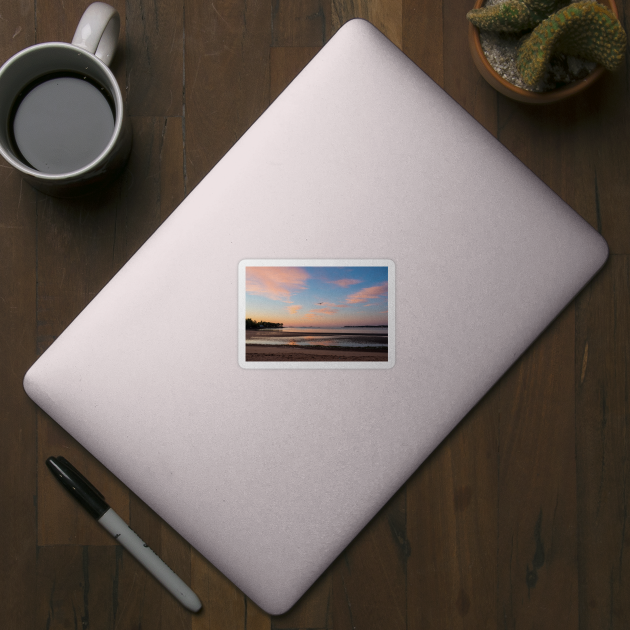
(518, 94)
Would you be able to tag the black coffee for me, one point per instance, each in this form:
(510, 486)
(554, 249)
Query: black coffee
(61, 123)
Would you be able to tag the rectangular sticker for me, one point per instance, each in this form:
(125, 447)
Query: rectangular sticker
(316, 314)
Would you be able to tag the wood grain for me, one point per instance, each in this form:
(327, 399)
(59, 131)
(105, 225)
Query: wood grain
(226, 78)
(224, 606)
(18, 416)
(369, 577)
(452, 515)
(285, 64)
(154, 57)
(537, 510)
(313, 610)
(151, 605)
(609, 133)
(386, 15)
(61, 521)
(76, 587)
(151, 187)
(422, 36)
(573, 149)
(300, 22)
(461, 79)
(602, 380)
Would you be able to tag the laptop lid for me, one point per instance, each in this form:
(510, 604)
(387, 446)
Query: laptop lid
(363, 189)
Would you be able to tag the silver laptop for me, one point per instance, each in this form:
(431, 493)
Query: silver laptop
(317, 315)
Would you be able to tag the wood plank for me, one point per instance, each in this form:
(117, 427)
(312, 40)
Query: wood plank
(18, 416)
(603, 468)
(143, 601)
(17, 28)
(152, 185)
(300, 22)
(74, 248)
(423, 36)
(537, 537)
(61, 520)
(369, 577)
(452, 527)
(127, 593)
(255, 617)
(226, 78)
(608, 127)
(76, 587)
(566, 149)
(176, 552)
(154, 57)
(18, 423)
(57, 23)
(171, 158)
(461, 78)
(313, 610)
(224, 606)
(558, 147)
(386, 15)
(285, 64)
(572, 147)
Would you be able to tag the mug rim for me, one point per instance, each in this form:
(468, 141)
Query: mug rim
(118, 122)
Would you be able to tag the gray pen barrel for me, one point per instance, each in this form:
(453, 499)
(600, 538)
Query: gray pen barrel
(149, 559)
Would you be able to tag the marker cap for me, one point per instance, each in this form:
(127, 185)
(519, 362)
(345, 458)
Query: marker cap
(78, 486)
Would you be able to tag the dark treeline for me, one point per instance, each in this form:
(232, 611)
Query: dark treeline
(252, 324)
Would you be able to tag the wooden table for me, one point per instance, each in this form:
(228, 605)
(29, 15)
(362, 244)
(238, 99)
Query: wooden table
(518, 520)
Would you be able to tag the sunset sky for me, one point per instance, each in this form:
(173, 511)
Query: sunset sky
(317, 296)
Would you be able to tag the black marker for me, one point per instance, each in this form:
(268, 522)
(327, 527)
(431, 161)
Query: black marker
(94, 502)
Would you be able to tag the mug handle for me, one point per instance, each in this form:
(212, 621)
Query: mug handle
(98, 30)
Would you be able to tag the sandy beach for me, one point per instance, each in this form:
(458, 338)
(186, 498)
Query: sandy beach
(293, 353)
(375, 350)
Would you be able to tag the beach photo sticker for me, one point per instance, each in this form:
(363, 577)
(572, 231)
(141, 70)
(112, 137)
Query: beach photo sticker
(316, 314)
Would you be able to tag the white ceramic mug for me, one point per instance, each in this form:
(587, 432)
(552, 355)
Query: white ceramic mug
(88, 58)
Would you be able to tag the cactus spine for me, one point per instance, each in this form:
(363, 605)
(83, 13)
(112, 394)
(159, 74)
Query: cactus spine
(513, 16)
(583, 29)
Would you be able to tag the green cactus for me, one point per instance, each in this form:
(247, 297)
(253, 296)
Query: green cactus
(513, 16)
(584, 29)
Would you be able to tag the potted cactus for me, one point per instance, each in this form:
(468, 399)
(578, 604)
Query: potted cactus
(558, 49)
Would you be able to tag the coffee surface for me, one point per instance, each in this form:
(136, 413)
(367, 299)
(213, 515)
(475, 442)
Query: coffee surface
(62, 124)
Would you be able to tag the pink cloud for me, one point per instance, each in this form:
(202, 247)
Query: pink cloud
(325, 311)
(369, 293)
(275, 283)
(294, 309)
(345, 282)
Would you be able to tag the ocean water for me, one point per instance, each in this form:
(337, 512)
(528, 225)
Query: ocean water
(351, 330)
(341, 337)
